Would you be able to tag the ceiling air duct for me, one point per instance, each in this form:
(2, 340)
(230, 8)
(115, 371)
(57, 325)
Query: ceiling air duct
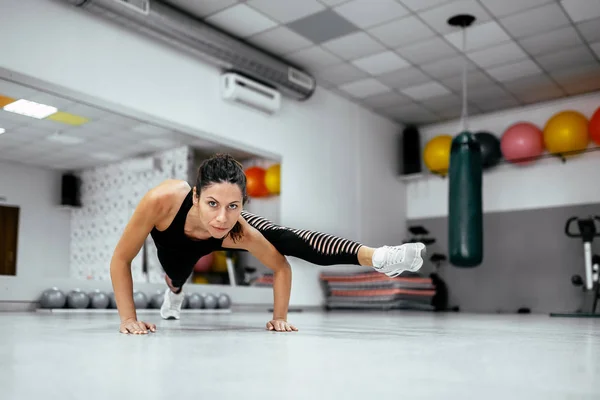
(168, 24)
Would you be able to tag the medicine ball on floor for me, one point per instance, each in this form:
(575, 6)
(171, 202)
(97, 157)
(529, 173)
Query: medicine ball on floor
(78, 299)
(99, 299)
(140, 299)
(53, 298)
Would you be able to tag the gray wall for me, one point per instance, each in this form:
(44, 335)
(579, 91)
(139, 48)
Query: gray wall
(528, 262)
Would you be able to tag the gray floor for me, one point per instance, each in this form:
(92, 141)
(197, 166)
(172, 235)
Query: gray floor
(334, 355)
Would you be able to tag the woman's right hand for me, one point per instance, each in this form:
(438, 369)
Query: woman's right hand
(136, 327)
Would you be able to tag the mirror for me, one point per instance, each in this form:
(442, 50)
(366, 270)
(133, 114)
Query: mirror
(102, 162)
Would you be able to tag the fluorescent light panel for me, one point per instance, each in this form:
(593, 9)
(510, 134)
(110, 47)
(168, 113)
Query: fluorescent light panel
(2, 130)
(30, 109)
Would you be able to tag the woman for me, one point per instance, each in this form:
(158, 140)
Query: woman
(188, 223)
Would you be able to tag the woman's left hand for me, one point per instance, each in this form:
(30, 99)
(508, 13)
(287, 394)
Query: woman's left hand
(280, 325)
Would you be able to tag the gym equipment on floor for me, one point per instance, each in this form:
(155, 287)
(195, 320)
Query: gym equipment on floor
(586, 232)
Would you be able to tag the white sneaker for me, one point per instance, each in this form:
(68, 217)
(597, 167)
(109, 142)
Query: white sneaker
(171, 306)
(393, 260)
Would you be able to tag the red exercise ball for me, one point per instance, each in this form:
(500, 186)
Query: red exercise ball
(255, 182)
(522, 140)
(594, 127)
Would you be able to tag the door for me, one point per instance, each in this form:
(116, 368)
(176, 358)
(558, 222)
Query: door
(9, 230)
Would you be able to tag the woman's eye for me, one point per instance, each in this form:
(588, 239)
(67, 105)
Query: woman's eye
(212, 203)
(233, 206)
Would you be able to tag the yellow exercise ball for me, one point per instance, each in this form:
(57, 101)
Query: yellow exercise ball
(437, 154)
(273, 179)
(566, 131)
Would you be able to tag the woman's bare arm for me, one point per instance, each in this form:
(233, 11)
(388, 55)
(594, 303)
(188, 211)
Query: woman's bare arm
(144, 218)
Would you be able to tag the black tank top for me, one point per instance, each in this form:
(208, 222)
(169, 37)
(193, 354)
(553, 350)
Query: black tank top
(176, 250)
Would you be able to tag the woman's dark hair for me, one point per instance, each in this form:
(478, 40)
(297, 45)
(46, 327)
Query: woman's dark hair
(223, 168)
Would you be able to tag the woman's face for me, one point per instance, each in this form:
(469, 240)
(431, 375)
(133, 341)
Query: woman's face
(220, 206)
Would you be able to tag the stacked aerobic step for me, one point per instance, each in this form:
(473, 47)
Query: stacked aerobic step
(373, 290)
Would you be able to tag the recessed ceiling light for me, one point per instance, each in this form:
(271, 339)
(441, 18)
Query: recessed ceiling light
(58, 137)
(30, 109)
(2, 130)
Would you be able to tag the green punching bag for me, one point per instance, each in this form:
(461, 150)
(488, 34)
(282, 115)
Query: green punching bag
(465, 219)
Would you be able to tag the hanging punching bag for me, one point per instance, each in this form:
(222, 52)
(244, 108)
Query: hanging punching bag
(465, 219)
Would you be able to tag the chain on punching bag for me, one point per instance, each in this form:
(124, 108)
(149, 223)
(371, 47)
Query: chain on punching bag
(465, 215)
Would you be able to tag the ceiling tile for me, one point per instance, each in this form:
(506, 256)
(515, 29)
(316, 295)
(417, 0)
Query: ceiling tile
(572, 57)
(580, 79)
(540, 94)
(353, 46)
(410, 114)
(499, 54)
(401, 32)
(286, 11)
(30, 133)
(596, 48)
(202, 8)
(475, 79)
(86, 111)
(484, 93)
(367, 13)
(498, 103)
(536, 20)
(333, 2)
(444, 102)
(150, 130)
(582, 10)
(549, 42)
(437, 18)
(513, 71)
(404, 77)
(121, 121)
(426, 91)
(364, 88)
(314, 58)
(448, 67)
(589, 30)
(340, 74)
(479, 36)
(241, 20)
(51, 100)
(280, 40)
(507, 7)
(10, 89)
(420, 5)
(8, 123)
(432, 49)
(381, 63)
(323, 26)
(386, 100)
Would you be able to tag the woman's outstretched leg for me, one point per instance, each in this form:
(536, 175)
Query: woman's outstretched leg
(324, 249)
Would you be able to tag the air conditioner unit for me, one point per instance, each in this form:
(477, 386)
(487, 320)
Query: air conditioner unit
(242, 90)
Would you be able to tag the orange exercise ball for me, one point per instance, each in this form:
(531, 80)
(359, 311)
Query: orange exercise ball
(273, 179)
(437, 154)
(255, 182)
(594, 127)
(566, 132)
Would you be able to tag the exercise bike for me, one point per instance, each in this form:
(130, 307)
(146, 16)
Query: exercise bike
(591, 287)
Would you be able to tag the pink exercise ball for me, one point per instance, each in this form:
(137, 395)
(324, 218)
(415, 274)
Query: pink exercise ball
(522, 140)
(204, 264)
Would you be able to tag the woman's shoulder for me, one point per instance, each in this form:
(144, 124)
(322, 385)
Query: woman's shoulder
(168, 194)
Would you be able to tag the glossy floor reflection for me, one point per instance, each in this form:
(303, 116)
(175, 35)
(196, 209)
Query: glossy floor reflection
(338, 355)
